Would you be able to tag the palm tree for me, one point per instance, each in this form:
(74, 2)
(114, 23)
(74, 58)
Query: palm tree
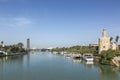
(116, 41)
(111, 38)
(2, 42)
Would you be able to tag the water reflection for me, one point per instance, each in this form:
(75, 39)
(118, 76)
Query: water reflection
(46, 66)
(107, 72)
(77, 60)
(12, 58)
(6, 67)
(91, 63)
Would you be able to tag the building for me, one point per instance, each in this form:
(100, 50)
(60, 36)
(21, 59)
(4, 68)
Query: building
(104, 42)
(94, 44)
(113, 46)
(28, 44)
(50, 48)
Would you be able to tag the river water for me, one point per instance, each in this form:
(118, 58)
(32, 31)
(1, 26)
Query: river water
(47, 66)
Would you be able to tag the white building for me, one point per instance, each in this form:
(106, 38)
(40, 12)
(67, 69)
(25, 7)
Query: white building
(104, 42)
(93, 44)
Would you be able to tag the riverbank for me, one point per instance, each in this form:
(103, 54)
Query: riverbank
(106, 58)
(13, 54)
(116, 61)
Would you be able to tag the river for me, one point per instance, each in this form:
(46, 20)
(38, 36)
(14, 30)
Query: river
(47, 66)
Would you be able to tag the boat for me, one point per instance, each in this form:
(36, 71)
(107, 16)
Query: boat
(76, 56)
(2, 52)
(88, 57)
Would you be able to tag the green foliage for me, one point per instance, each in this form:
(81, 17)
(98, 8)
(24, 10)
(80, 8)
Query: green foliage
(77, 49)
(117, 39)
(20, 45)
(9, 51)
(13, 48)
(107, 56)
(111, 38)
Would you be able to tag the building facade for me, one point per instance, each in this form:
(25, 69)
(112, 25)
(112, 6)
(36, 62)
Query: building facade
(104, 42)
(28, 44)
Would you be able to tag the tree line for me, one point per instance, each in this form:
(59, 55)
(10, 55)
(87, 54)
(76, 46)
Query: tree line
(77, 49)
(13, 48)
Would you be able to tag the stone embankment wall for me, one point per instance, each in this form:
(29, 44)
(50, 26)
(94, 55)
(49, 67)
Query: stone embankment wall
(116, 61)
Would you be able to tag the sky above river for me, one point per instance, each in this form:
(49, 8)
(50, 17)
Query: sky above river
(51, 23)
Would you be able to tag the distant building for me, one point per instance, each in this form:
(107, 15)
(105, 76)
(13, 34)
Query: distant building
(104, 42)
(28, 44)
(93, 44)
(50, 48)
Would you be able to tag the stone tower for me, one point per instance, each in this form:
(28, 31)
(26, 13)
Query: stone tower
(104, 42)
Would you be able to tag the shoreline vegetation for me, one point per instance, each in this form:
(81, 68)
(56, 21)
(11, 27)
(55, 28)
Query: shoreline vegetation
(77, 49)
(105, 58)
(11, 50)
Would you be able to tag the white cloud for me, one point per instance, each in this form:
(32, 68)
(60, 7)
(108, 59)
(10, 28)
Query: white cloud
(15, 22)
(22, 21)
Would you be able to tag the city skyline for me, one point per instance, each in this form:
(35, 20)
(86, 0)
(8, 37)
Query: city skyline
(58, 23)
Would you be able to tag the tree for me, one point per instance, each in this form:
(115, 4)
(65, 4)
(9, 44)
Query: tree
(116, 41)
(20, 45)
(2, 42)
(111, 38)
(107, 56)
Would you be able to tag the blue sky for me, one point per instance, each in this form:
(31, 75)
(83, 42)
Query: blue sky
(52, 23)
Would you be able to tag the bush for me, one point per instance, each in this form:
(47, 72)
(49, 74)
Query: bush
(9, 51)
(107, 56)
